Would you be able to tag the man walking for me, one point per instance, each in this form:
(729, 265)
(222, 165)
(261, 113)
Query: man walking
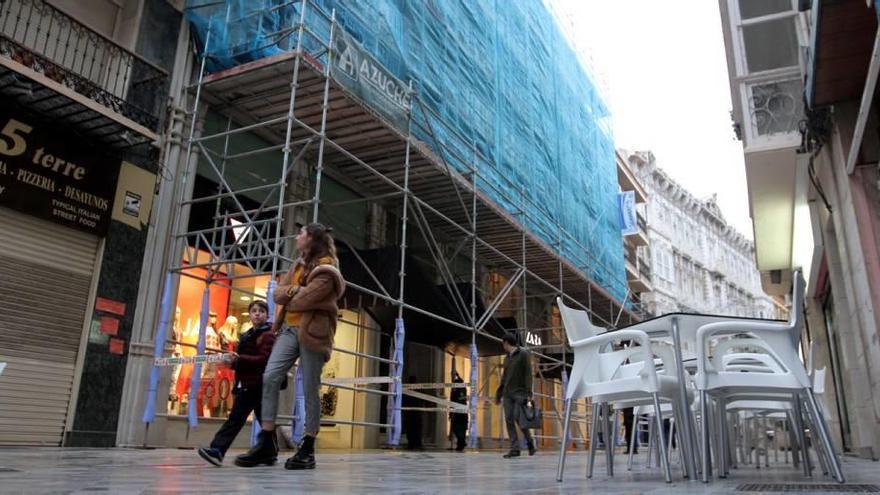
(515, 390)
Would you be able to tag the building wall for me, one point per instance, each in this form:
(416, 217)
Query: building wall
(97, 392)
(98, 405)
(842, 300)
(699, 262)
(848, 236)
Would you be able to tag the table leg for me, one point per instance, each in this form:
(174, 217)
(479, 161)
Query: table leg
(687, 426)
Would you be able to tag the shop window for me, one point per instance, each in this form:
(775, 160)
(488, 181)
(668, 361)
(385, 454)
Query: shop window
(228, 318)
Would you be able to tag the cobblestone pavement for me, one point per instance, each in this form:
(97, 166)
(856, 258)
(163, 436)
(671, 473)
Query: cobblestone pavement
(56, 470)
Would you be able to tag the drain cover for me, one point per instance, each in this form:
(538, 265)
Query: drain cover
(807, 487)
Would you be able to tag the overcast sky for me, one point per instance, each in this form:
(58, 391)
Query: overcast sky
(665, 76)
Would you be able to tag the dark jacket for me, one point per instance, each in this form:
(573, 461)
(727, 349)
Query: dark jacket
(254, 348)
(459, 396)
(516, 381)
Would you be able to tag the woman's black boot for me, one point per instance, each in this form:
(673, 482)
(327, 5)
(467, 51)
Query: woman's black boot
(304, 457)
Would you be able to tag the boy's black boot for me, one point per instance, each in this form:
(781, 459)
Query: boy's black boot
(265, 452)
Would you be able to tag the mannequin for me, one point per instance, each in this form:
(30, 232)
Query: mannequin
(208, 393)
(228, 333)
(174, 347)
(190, 337)
(225, 378)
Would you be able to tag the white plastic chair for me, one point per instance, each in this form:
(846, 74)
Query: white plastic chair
(789, 378)
(601, 374)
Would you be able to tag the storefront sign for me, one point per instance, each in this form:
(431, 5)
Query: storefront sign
(110, 306)
(49, 174)
(533, 339)
(360, 73)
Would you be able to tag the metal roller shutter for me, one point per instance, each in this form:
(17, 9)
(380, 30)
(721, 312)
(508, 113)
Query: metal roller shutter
(45, 277)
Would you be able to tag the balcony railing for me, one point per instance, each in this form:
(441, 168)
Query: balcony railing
(642, 223)
(629, 254)
(50, 42)
(644, 269)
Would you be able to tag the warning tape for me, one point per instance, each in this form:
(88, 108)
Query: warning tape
(462, 409)
(359, 380)
(435, 400)
(174, 361)
(417, 386)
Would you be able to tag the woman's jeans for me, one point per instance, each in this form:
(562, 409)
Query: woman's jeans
(284, 354)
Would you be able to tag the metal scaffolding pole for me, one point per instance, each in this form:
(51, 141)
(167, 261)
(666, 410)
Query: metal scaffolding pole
(439, 170)
(285, 162)
(319, 171)
(395, 404)
(473, 378)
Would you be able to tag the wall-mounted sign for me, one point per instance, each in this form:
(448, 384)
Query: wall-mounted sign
(134, 196)
(359, 72)
(533, 339)
(110, 306)
(49, 174)
(117, 346)
(109, 325)
(626, 203)
(132, 204)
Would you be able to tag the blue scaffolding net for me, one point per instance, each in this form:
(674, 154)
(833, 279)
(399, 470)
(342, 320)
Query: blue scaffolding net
(495, 88)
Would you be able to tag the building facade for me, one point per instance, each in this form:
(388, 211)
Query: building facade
(803, 78)
(84, 91)
(635, 241)
(446, 210)
(700, 263)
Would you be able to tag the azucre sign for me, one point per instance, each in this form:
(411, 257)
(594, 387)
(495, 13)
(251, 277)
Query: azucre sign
(360, 73)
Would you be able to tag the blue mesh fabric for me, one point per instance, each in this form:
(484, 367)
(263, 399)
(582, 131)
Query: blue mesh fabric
(498, 88)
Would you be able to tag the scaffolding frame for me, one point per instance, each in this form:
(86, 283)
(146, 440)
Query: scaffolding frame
(292, 101)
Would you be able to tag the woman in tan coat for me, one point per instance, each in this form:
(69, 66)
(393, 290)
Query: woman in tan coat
(308, 294)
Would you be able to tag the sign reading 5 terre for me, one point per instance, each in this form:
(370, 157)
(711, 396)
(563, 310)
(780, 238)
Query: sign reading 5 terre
(46, 173)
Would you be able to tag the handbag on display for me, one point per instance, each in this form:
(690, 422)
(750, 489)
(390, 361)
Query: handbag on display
(530, 416)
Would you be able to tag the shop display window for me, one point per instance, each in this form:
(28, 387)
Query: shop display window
(228, 318)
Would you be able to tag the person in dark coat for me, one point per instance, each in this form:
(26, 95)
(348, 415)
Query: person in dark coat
(412, 420)
(628, 425)
(514, 391)
(249, 362)
(459, 421)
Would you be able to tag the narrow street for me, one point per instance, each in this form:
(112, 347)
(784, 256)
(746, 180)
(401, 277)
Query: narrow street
(167, 471)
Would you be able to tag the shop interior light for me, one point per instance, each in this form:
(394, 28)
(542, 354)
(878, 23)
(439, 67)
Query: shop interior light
(239, 231)
(245, 298)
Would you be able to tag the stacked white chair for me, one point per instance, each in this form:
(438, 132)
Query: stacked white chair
(602, 374)
(778, 375)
